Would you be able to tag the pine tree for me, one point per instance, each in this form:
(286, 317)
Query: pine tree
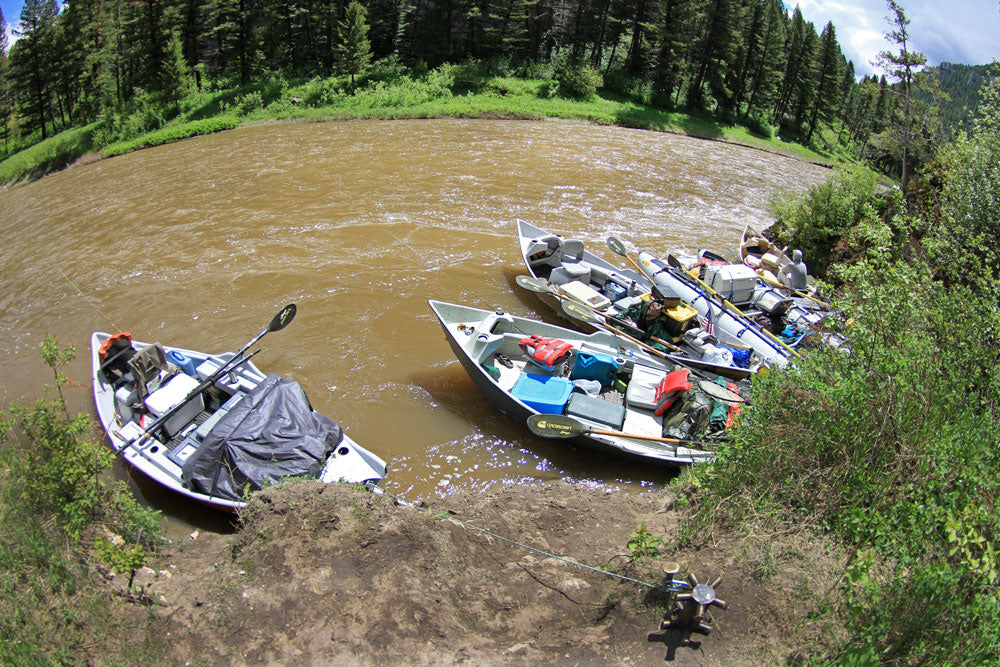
(675, 39)
(353, 49)
(6, 88)
(175, 75)
(829, 78)
(713, 55)
(903, 66)
(31, 61)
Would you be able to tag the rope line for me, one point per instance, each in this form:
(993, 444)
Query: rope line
(116, 328)
(528, 547)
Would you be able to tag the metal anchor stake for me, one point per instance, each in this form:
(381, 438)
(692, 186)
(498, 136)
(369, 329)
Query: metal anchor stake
(690, 612)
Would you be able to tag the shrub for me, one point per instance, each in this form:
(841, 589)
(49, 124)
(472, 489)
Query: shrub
(759, 126)
(580, 81)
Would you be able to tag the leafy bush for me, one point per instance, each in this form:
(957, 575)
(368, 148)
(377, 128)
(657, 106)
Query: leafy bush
(759, 126)
(891, 447)
(580, 81)
(53, 493)
(820, 224)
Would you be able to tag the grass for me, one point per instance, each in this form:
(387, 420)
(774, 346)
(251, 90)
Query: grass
(447, 92)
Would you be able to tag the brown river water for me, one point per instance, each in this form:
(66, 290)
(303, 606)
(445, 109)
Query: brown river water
(199, 243)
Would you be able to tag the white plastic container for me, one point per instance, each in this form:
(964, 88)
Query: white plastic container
(172, 393)
(735, 282)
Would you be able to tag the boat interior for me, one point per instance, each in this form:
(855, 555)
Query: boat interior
(617, 392)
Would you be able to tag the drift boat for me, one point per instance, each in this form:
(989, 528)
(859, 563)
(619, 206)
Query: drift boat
(602, 390)
(701, 319)
(213, 427)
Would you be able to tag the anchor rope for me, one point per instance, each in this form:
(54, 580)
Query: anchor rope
(677, 587)
(116, 328)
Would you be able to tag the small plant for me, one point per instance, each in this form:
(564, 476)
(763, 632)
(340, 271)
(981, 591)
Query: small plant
(643, 544)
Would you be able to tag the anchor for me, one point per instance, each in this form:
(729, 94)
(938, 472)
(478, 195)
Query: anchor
(692, 599)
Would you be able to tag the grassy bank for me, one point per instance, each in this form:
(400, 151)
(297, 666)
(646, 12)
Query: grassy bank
(448, 92)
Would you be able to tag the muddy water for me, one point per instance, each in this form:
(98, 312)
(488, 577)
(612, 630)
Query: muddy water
(200, 243)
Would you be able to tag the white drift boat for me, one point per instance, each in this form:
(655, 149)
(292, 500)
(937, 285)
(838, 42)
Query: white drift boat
(212, 427)
(600, 389)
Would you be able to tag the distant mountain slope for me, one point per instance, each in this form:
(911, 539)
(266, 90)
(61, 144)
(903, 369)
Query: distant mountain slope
(962, 83)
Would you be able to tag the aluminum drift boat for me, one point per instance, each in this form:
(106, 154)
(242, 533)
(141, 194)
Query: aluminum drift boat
(212, 427)
(532, 371)
(609, 289)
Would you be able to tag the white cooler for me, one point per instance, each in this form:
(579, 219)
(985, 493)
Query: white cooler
(172, 393)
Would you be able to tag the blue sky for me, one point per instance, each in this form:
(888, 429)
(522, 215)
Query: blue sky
(957, 31)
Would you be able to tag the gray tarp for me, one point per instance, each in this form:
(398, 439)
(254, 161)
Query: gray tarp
(271, 433)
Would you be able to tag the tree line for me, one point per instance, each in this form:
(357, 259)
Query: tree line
(743, 61)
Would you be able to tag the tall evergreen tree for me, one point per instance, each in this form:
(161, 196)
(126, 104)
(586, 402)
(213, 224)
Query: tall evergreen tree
(765, 78)
(713, 55)
(903, 66)
(353, 48)
(6, 88)
(675, 40)
(828, 82)
(31, 61)
(175, 75)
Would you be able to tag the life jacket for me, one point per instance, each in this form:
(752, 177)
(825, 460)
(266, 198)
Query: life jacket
(734, 409)
(111, 341)
(546, 352)
(670, 388)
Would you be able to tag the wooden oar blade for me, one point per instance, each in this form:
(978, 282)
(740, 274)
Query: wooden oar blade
(555, 426)
(532, 284)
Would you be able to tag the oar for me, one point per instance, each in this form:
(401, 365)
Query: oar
(675, 263)
(277, 323)
(619, 248)
(561, 426)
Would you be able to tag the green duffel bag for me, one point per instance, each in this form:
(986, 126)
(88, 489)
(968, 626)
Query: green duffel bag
(688, 416)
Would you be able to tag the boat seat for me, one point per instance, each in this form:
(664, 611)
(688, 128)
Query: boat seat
(572, 266)
(150, 370)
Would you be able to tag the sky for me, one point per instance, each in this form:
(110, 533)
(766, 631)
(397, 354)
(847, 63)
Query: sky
(955, 31)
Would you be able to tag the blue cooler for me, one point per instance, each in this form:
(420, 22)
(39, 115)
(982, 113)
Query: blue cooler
(595, 366)
(614, 291)
(544, 393)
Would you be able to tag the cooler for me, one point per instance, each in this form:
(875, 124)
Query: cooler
(586, 294)
(596, 409)
(172, 393)
(545, 393)
(595, 366)
(735, 282)
(679, 318)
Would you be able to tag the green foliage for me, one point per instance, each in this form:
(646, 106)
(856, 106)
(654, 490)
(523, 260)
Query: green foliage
(891, 447)
(52, 493)
(643, 544)
(820, 223)
(49, 155)
(962, 244)
(580, 81)
(172, 133)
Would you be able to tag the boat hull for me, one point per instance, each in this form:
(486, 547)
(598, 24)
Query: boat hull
(474, 335)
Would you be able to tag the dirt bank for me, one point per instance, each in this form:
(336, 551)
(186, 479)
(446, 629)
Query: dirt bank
(333, 575)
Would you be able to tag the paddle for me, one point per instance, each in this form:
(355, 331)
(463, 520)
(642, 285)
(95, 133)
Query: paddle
(561, 426)
(277, 323)
(619, 248)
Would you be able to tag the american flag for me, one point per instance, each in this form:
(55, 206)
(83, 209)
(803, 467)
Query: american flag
(708, 324)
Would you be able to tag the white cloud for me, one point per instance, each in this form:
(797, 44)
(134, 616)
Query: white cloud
(962, 31)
